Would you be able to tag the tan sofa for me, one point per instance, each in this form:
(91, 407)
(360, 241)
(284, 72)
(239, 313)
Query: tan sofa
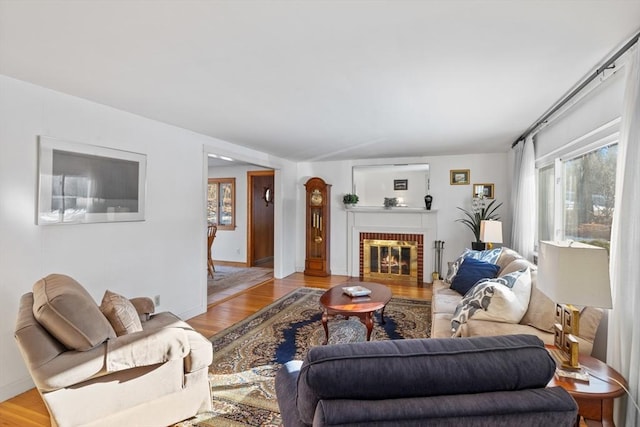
(538, 319)
(154, 375)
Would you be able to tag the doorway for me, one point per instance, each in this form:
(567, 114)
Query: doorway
(260, 218)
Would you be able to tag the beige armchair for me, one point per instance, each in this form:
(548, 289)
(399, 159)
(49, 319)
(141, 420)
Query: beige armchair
(113, 364)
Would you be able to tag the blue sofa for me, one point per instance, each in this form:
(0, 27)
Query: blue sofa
(478, 381)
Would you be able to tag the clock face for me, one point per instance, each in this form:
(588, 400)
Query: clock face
(316, 197)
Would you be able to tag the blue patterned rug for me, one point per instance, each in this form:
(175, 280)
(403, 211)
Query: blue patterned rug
(248, 354)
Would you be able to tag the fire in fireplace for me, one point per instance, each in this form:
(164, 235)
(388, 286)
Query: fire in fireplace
(390, 259)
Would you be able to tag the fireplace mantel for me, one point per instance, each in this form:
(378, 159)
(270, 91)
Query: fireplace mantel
(391, 220)
(395, 209)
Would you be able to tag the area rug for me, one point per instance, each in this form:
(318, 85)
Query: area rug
(226, 277)
(248, 354)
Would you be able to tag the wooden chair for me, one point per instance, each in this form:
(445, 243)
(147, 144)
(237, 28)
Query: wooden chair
(212, 229)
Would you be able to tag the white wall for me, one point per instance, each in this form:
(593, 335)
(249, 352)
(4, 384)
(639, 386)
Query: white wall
(164, 255)
(485, 168)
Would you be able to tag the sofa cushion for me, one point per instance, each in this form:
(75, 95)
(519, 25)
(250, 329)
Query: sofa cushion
(471, 270)
(67, 311)
(477, 328)
(441, 325)
(507, 256)
(121, 313)
(541, 313)
(589, 321)
(516, 265)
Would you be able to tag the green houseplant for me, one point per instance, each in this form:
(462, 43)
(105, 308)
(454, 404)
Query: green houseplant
(350, 199)
(480, 211)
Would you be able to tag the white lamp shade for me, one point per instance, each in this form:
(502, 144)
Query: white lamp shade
(574, 273)
(491, 231)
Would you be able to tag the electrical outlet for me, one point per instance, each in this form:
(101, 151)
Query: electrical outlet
(156, 300)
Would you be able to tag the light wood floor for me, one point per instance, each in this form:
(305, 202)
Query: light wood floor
(27, 409)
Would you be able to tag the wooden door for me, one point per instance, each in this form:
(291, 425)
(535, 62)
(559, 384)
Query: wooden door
(261, 214)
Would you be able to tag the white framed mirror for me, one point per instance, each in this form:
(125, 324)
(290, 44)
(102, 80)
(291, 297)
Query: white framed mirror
(407, 183)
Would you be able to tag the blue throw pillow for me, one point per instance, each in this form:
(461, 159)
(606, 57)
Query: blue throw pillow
(470, 271)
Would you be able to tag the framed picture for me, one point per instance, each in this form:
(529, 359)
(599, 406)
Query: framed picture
(81, 183)
(460, 176)
(484, 190)
(400, 184)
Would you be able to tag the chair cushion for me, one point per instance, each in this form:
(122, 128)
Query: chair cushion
(121, 313)
(67, 311)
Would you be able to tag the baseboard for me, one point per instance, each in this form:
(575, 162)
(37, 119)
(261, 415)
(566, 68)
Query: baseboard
(196, 311)
(15, 388)
(231, 263)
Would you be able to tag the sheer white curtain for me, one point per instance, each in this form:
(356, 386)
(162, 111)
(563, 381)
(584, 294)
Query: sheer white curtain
(524, 199)
(624, 329)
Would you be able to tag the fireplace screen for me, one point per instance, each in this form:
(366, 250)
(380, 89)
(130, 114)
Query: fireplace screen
(390, 259)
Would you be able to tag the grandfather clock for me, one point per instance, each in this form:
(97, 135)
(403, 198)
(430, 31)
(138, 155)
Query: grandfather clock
(317, 224)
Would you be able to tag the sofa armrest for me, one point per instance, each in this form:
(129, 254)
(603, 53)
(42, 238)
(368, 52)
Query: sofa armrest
(143, 348)
(286, 392)
(200, 351)
(69, 368)
(146, 348)
(144, 306)
(532, 407)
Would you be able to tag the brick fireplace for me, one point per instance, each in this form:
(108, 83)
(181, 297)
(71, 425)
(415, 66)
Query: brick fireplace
(392, 256)
(405, 225)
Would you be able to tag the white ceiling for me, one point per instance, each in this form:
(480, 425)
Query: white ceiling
(321, 80)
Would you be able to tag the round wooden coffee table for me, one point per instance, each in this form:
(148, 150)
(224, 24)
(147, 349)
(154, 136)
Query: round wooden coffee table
(336, 302)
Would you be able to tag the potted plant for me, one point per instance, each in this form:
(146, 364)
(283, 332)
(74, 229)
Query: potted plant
(350, 199)
(480, 211)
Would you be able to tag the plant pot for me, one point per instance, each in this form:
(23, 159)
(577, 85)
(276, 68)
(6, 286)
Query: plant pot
(478, 246)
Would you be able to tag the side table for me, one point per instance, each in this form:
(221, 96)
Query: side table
(595, 398)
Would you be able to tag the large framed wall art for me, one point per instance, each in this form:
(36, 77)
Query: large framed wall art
(81, 183)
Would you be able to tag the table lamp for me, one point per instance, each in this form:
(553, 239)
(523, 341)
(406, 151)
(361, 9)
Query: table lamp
(490, 232)
(572, 273)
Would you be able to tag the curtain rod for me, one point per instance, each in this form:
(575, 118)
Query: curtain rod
(563, 101)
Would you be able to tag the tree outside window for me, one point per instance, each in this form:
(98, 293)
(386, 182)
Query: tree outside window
(221, 203)
(586, 197)
(590, 182)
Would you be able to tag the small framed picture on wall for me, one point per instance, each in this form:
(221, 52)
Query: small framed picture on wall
(460, 177)
(400, 184)
(483, 190)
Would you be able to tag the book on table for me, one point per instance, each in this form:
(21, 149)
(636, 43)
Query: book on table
(356, 291)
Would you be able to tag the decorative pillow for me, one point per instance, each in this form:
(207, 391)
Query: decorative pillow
(471, 270)
(495, 300)
(67, 311)
(478, 298)
(511, 298)
(121, 313)
(490, 256)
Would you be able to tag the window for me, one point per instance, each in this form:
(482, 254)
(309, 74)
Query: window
(221, 203)
(584, 195)
(545, 203)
